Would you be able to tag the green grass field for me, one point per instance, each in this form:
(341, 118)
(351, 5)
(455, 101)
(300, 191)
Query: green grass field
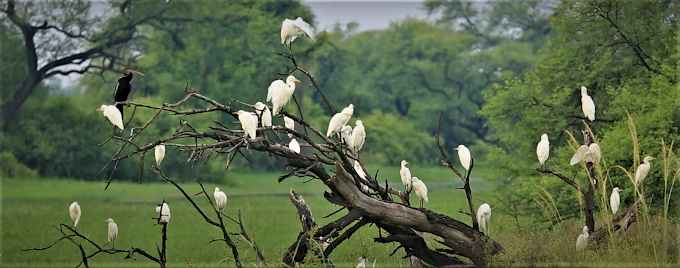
(30, 206)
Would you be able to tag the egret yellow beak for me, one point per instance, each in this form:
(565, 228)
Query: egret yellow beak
(456, 149)
(100, 109)
(106, 221)
(234, 112)
(296, 80)
(408, 163)
(620, 190)
(653, 157)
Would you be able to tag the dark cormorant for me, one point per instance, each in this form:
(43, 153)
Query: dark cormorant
(123, 87)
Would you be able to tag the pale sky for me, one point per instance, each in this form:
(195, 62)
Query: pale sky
(371, 15)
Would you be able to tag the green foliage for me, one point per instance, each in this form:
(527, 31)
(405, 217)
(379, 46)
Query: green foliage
(11, 168)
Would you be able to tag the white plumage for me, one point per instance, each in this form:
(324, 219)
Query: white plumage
(112, 232)
(346, 135)
(587, 104)
(263, 111)
(483, 216)
(615, 200)
(362, 263)
(165, 214)
(289, 123)
(595, 153)
(420, 189)
(643, 170)
(220, 199)
(294, 145)
(361, 173)
(291, 29)
(159, 153)
(248, 123)
(405, 174)
(582, 154)
(74, 212)
(582, 240)
(358, 136)
(280, 93)
(340, 119)
(464, 156)
(543, 149)
(113, 115)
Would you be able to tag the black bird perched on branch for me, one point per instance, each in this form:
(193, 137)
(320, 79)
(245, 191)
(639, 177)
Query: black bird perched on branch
(123, 88)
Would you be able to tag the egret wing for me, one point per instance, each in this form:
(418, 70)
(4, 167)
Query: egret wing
(304, 27)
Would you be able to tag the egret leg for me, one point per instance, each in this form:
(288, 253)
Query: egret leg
(421, 203)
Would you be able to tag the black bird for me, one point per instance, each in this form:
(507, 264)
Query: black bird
(123, 88)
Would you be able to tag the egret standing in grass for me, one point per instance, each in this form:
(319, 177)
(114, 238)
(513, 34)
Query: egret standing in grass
(74, 211)
(280, 93)
(159, 153)
(346, 135)
(587, 104)
(262, 110)
(294, 145)
(405, 174)
(164, 211)
(483, 216)
(340, 119)
(113, 115)
(464, 156)
(358, 137)
(643, 170)
(543, 149)
(420, 188)
(615, 200)
(248, 123)
(289, 123)
(113, 232)
(220, 199)
(582, 240)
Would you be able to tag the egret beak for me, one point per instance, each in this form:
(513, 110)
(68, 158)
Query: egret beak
(620, 190)
(100, 109)
(407, 163)
(456, 149)
(106, 221)
(653, 158)
(296, 80)
(234, 112)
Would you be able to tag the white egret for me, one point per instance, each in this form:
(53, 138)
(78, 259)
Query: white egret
(362, 262)
(165, 214)
(464, 156)
(405, 174)
(113, 115)
(361, 173)
(358, 136)
(74, 211)
(420, 188)
(248, 122)
(595, 153)
(543, 149)
(294, 145)
(291, 29)
(587, 104)
(289, 123)
(582, 154)
(483, 216)
(262, 110)
(220, 199)
(280, 93)
(159, 153)
(340, 119)
(113, 232)
(615, 200)
(582, 240)
(346, 135)
(643, 170)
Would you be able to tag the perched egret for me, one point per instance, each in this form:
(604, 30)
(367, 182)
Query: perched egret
(294, 145)
(248, 123)
(113, 115)
(595, 153)
(123, 88)
(615, 200)
(483, 216)
(643, 170)
(159, 152)
(361, 173)
(587, 104)
(262, 110)
(543, 149)
(220, 199)
(582, 240)
(113, 232)
(289, 123)
(340, 119)
(582, 154)
(280, 93)
(358, 136)
(165, 214)
(464, 156)
(405, 174)
(74, 211)
(420, 188)
(326, 243)
(346, 135)
(291, 29)
(362, 262)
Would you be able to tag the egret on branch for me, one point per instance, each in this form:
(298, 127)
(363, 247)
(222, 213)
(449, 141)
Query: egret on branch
(595, 153)
(291, 29)
(248, 123)
(361, 173)
(340, 119)
(74, 211)
(643, 170)
(582, 239)
(220, 199)
(587, 104)
(615, 200)
(543, 149)
(289, 123)
(405, 174)
(113, 232)
(420, 189)
(279, 93)
(483, 216)
(159, 153)
(346, 135)
(164, 211)
(358, 136)
(294, 145)
(464, 156)
(113, 115)
(123, 88)
(581, 154)
(262, 110)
